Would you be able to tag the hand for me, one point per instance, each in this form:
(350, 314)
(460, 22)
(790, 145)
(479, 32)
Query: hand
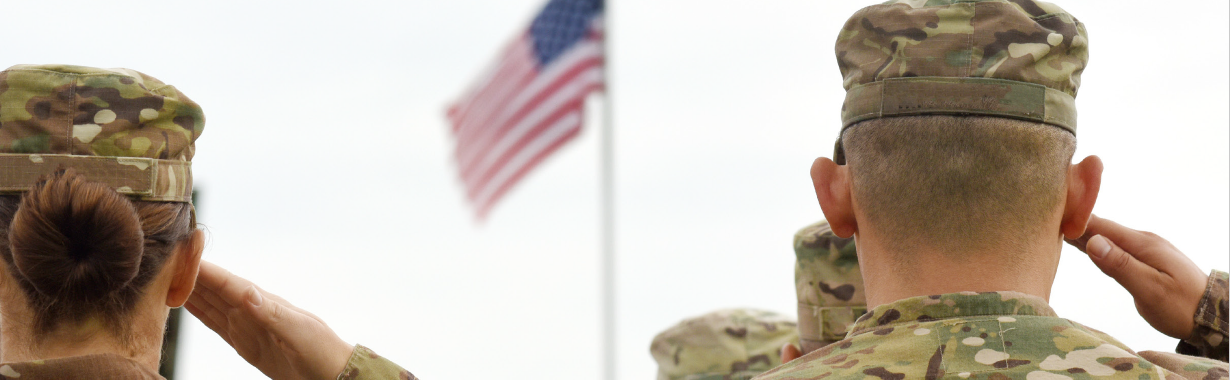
(1166, 284)
(279, 339)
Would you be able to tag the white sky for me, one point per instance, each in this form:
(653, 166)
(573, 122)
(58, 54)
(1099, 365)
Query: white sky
(327, 176)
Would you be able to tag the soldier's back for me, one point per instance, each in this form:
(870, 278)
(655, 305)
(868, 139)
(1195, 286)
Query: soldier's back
(998, 335)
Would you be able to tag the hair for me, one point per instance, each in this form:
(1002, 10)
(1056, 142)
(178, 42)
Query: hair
(958, 184)
(80, 250)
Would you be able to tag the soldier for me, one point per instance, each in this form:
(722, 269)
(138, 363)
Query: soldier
(829, 287)
(96, 226)
(953, 174)
(741, 343)
(732, 344)
(97, 237)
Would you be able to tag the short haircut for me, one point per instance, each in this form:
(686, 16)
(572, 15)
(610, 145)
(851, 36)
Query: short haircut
(958, 184)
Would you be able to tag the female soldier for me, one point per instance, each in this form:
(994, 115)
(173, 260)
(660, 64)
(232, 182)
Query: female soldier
(97, 232)
(97, 237)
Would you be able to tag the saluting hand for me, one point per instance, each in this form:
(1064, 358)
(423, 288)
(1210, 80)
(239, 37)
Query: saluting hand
(1166, 284)
(279, 339)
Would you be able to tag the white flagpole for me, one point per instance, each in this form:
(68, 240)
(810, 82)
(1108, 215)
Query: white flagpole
(607, 184)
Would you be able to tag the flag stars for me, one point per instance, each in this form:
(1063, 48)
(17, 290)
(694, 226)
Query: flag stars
(560, 25)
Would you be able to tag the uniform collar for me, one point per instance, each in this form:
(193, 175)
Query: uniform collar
(99, 366)
(951, 305)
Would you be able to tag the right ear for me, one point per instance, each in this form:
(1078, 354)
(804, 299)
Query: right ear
(187, 265)
(789, 352)
(832, 183)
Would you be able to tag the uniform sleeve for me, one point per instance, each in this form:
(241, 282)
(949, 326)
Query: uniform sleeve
(364, 364)
(1188, 367)
(1208, 339)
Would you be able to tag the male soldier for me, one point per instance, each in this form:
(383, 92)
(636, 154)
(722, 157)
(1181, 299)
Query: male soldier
(829, 286)
(959, 129)
(731, 344)
(741, 343)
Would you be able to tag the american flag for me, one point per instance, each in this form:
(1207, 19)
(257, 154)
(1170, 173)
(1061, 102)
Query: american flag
(530, 102)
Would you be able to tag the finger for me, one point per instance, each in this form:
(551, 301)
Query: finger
(209, 299)
(277, 298)
(224, 284)
(201, 313)
(213, 312)
(1129, 239)
(282, 321)
(1137, 277)
(210, 316)
(252, 341)
(212, 276)
(1150, 249)
(1080, 242)
(212, 319)
(790, 352)
(283, 302)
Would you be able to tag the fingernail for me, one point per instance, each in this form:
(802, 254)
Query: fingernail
(254, 296)
(1098, 246)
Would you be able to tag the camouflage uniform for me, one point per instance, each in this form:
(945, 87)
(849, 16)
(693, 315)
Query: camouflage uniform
(995, 335)
(364, 364)
(829, 286)
(1019, 59)
(121, 128)
(1208, 339)
(101, 367)
(733, 344)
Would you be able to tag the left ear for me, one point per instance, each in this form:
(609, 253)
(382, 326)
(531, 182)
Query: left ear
(1084, 181)
(187, 265)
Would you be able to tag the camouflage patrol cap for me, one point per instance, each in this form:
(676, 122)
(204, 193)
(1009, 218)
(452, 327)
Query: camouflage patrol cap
(119, 127)
(732, 344)
(829, 285)
(1018, 59)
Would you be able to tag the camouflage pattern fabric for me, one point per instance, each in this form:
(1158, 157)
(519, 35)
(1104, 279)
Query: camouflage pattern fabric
(364, 364)
(829, 285)
(101, 367)
(116, 126)
(1018, 59)
(1209, 337)
(733, 344)
(994, 335)
(1188, 367)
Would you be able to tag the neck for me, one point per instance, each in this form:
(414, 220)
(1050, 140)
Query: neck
(890, 276)
(19, 344)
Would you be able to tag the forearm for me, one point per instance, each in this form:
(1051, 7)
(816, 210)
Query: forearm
(1208, 338)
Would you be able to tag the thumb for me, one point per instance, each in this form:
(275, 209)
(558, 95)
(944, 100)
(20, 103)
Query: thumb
(1129, 272)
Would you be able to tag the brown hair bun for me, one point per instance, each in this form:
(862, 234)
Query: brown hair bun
(75, 240)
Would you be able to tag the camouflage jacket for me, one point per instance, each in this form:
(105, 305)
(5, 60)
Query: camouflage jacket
(1209, 337)
(364, 364)
(995, 335)
(102, 367)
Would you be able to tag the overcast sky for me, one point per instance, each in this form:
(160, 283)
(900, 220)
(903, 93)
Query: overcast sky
(326, 174)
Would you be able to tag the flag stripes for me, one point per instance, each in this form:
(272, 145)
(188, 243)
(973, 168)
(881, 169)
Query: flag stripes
(520, 112)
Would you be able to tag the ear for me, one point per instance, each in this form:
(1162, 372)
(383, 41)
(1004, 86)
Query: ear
(1084, 181)
(789, 352)
(187, 265)
(832, 183)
